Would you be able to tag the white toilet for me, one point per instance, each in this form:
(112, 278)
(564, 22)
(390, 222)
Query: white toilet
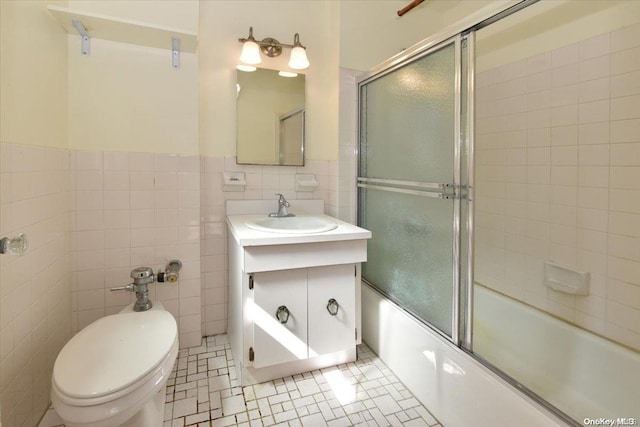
(114, 372)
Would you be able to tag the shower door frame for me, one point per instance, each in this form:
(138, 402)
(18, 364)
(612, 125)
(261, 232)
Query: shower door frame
(435, 190)
(462, 333)
(462, 322)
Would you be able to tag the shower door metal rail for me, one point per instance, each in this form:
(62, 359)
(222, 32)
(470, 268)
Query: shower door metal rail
(424, 189)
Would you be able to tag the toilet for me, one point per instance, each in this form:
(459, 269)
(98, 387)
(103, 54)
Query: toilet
(114, 372)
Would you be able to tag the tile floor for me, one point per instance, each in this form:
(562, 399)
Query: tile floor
(203, 391)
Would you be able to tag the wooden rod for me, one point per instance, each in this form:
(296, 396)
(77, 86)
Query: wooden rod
(408, 7)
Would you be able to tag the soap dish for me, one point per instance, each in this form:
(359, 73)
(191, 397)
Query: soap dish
(306, 182)
(234, 181)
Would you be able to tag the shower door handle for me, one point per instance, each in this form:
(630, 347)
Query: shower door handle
(435, 190)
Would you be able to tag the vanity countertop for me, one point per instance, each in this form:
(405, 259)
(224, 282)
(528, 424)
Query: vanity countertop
(246, 236)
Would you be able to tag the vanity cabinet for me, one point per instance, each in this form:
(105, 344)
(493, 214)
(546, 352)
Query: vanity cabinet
(303, 313)
(293, 300)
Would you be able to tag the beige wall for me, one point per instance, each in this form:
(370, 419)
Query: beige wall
(35, 298)
(124, 97)
(371, 31)
(177, 14)
(222, 23)
(520, 36)
(33, 88)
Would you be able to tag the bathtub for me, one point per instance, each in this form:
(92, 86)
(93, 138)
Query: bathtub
(586, 376)
(457, 389)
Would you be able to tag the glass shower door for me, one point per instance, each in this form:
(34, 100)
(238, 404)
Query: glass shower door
(409, 184)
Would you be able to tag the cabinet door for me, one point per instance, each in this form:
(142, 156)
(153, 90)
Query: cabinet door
(275, 342)
(329, 333)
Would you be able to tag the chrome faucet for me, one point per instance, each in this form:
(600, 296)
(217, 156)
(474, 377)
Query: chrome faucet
(282, 208)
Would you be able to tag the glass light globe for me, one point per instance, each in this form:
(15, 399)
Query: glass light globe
(250, 53)
(298, 60)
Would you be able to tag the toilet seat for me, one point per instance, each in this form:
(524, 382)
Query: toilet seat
(114, 355)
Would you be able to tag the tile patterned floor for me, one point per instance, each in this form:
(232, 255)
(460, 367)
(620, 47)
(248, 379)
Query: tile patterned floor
(203, 391)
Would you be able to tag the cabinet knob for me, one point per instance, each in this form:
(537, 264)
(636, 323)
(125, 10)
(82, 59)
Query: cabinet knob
(332, 307)
(282, 314)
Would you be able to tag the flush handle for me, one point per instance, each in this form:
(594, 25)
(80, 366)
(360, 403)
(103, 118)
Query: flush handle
(282, 314)
(332, 307)
(129, 287)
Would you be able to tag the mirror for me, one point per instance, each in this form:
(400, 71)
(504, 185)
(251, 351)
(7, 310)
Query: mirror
(271, 115)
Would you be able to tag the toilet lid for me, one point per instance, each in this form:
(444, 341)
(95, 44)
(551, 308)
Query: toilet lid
(114, 352)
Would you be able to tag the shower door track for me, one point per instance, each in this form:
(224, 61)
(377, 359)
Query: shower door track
(410, 313)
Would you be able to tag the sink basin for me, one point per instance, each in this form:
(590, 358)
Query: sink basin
(293, 225)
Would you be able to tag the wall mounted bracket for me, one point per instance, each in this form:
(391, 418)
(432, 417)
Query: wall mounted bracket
(175, 52)
(82, 31)
(123, 30)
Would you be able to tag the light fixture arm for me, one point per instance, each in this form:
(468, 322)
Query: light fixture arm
(270, 46)
(296, 41)
(250, 38)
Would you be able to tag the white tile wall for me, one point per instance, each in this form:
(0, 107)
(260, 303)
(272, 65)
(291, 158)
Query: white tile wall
(348, 144)
(558, 177)
(262, 183)
(35, 296)
(130, 210)
(96, 216)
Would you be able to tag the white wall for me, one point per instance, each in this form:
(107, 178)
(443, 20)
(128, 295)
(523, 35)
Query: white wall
(130, 210)
(557, 179)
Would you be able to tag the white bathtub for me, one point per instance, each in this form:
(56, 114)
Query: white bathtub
(456, 388)
(584, 375)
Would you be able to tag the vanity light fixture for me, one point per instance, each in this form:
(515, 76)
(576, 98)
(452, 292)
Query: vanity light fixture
(282, 73)
(271, 47)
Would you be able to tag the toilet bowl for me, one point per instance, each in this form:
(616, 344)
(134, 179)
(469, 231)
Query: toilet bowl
(114, 372)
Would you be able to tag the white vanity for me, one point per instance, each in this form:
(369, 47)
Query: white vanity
(294, 289)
